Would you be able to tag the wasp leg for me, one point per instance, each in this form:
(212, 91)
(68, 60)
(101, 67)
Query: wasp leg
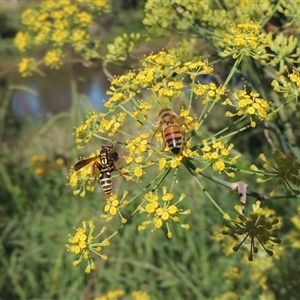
(97, 165)
(122, 174)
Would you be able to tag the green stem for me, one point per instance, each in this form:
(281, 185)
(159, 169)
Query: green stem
(46, 127)
(225, 136)
(174, 179)
(209, 196)
(130, 114)
(232, 133)
(5, 104)
(191, 168)
(233, 69)
(191, 96)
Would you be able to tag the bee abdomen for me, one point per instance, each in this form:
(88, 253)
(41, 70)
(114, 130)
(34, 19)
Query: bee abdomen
(174, 138)
(175, 149)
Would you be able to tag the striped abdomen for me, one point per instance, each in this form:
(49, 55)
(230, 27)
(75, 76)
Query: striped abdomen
(173, 137)
(105, 179)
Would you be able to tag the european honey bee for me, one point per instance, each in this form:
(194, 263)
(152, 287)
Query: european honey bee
(170, 126)
(108, 158)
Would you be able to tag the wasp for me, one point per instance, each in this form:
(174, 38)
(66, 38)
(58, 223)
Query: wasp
(108, 158)
(169, 124)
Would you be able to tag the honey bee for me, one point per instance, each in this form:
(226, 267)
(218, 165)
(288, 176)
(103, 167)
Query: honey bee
(108, 158)
(170, 126)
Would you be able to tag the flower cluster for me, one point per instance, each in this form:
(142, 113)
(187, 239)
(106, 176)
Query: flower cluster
(57, 24)
(290, 89)
(27, 66)
(248, 105)
(209, 92)
(285, 170)
(158, 17)
(112, 295)
(146, 147)
(162, 210)
(249, 10)
(259, 227)
(284, 49)
(139, 150)
(122, 46)
(84, 178)
(218, 155)
(114, 206)
(43, 165)
(244, 39)
(133, 123)
(294, 235)
(289, 10)
(120, 294)
(53, 58)
(92, 125)
(157, 75)
(256, 272)
(83, 243)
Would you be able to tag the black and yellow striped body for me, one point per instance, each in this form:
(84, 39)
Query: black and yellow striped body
(107, 164)
(108, 158)
(105, 179)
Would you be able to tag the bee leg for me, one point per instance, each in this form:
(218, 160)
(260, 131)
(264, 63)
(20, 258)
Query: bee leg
(187, 127)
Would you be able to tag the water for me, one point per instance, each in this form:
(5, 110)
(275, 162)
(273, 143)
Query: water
(51, 94)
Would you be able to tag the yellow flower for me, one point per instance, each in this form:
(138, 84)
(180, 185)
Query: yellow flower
(140, 295)
(59, 36)
(162, 163)
(82, 243)
(78, 35)
(53, 58)
(138, 172)
(247, 40)
(21, 41)
(27, 66)
(162, 210)
(83, 18)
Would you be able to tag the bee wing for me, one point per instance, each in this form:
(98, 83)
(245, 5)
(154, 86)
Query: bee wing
(152, 138)
(157, 142)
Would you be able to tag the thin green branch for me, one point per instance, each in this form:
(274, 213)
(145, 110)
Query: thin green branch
(46, 127)
(233, 185)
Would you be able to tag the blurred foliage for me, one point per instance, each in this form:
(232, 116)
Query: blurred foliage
(38, 210)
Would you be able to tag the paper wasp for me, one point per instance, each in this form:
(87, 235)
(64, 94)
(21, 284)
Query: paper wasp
(108, 158)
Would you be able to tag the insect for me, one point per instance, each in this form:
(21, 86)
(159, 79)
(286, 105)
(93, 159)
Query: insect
(169, 124)
(108, 158)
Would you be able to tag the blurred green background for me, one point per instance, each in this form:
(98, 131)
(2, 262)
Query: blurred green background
(38, 209)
